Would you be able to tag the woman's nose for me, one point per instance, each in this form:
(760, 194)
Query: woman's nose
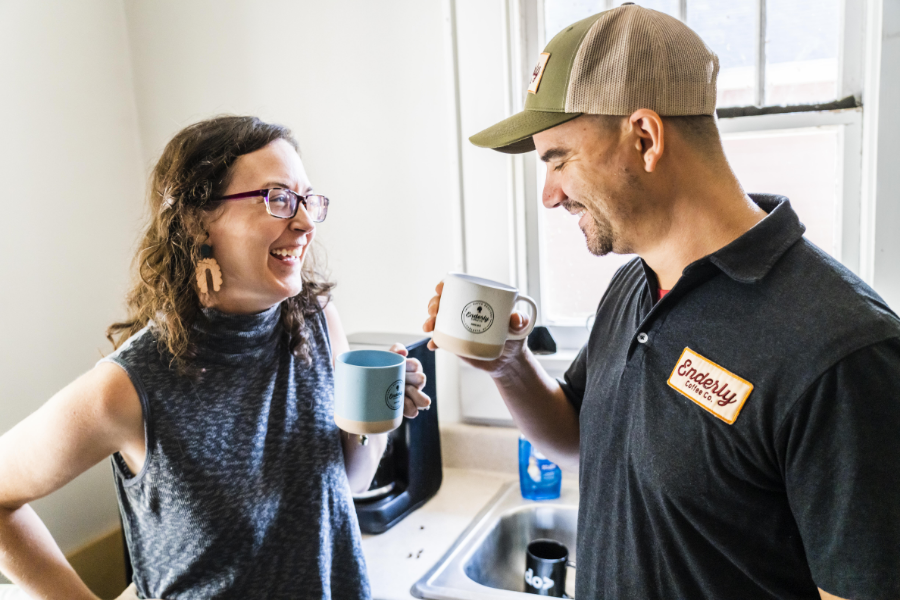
(302, 220)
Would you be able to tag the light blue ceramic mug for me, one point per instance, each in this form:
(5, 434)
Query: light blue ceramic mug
(369, 386)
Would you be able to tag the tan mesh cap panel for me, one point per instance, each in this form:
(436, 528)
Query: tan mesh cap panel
(635, 58)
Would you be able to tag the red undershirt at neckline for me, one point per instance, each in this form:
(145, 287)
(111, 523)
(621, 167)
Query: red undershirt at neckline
(661, 294)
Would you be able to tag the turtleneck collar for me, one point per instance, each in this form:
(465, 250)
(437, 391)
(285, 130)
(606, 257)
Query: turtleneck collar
(223, 336)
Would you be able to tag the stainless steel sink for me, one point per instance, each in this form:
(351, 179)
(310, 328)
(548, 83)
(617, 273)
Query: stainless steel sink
(488, 560)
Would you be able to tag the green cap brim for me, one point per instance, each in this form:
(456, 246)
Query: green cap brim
(513, 135)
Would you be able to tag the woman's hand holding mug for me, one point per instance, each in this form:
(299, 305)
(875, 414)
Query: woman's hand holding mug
(414, 400)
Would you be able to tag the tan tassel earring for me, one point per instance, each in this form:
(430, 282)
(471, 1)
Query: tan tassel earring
(208, 263)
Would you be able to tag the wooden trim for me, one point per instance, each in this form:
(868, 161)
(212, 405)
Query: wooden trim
(101, 564)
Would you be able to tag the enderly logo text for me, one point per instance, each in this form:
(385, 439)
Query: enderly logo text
(703, 382)
(394, 395)
(477, 316)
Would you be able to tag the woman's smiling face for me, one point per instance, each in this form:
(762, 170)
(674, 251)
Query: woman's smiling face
(261, 257)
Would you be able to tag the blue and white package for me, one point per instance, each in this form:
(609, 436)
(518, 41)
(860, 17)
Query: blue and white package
(539, 478)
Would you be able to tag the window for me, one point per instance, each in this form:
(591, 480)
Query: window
(784, 65)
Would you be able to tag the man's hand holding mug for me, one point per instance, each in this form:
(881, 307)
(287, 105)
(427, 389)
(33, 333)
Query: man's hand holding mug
(475, 319)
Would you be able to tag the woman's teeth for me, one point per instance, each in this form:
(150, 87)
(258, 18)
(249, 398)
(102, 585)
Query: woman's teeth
(284, 253)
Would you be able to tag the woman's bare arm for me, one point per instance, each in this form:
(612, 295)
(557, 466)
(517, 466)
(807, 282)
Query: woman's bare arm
(360, 461)
(96, 415)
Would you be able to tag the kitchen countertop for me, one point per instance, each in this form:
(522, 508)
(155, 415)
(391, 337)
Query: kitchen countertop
(399, 557)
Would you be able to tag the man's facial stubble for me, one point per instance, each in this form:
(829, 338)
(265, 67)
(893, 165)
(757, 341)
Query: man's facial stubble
(610, 208)
(598, 232)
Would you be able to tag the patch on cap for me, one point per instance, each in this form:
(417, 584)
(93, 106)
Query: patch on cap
(538, 72)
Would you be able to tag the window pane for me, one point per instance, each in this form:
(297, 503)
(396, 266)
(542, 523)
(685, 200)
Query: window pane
(729, 28)
(801, 164)
(670, 7)
(559, 14)
(802, 38)
(802, 41)
(572, 279)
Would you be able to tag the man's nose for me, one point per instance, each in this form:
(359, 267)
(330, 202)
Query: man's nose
(553, 193)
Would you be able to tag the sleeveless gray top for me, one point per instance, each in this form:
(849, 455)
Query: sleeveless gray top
(243, 493)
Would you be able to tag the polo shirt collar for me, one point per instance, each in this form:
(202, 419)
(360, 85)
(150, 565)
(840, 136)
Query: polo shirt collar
(750, 257)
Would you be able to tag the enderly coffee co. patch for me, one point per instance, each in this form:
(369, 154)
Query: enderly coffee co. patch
(477, 316)
(709, 385)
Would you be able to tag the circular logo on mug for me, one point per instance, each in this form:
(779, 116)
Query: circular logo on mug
(477, 316)
(393, 397)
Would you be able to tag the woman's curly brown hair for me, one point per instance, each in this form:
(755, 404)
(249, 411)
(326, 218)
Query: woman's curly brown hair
(194, 167)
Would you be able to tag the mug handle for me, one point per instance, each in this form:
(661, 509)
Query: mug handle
(534, 314)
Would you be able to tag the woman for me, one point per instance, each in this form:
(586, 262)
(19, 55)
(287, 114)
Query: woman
(217, 406)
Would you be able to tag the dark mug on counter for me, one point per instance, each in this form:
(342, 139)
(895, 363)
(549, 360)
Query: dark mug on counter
(546, 562)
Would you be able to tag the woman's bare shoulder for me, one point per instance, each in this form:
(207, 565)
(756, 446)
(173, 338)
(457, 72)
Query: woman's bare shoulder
(97, 414)
(114, 393)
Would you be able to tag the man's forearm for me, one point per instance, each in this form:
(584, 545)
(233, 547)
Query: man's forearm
(30, 558)
(540, 409)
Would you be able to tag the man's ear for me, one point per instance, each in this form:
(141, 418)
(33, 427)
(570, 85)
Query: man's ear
(647, 127)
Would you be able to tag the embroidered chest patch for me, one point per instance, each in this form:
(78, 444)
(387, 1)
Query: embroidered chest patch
(717, 390)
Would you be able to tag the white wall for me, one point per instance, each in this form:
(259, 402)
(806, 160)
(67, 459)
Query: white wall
(72, 188)
(362, 85)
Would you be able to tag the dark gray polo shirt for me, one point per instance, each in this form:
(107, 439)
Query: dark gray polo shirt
(740, 438)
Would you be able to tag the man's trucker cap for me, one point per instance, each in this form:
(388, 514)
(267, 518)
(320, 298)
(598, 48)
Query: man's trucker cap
(612, 63)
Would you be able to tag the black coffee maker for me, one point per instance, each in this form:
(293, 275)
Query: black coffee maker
(409, 473)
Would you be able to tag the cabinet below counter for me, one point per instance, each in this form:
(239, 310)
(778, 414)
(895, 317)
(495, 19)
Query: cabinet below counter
(399, 557)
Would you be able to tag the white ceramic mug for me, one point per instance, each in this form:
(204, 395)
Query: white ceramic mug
(473, 318)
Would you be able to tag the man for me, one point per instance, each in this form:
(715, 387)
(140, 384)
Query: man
(735, 415)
